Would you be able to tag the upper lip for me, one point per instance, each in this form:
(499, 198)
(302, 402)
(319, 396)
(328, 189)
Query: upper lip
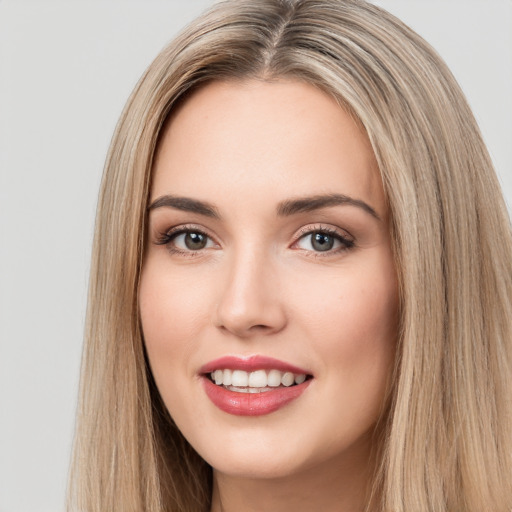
(250, 364)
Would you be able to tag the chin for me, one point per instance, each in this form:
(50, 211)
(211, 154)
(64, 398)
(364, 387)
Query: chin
(265, 466)
(254, 454)
(260, 454)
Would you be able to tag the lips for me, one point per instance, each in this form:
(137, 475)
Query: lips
(253, 386)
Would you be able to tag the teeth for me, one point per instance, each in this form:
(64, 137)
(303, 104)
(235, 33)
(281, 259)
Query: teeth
(239, 378)
(257, 381)
(274, 378)
(299, 379)
(288, 379)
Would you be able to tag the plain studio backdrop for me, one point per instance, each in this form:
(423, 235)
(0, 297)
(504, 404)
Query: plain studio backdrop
(66, 70)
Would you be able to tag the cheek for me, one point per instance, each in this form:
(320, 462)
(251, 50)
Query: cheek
(357, 305)
(172, 307)
(368, 318)
(173, 310)
(353, 320)
(368, 350)
(367, 315)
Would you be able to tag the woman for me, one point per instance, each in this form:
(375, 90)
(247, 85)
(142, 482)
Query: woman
(301, 287)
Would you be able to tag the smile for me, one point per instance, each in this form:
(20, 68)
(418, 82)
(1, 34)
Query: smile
(253, 386)
(259, 381)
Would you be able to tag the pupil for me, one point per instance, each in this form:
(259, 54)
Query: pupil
(322, 242)
(195, 241)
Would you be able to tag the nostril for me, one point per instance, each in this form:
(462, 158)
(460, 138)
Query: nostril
(248, 305)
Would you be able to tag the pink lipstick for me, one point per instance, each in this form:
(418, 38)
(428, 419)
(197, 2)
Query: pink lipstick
(253, 386)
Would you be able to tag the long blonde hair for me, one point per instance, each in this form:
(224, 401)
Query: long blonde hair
(447, 442)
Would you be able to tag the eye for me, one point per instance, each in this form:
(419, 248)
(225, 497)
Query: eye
(185, 240)
(191, 240)
(323, 240)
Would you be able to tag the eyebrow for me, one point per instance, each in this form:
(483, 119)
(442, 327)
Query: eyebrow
(308, 204)
(284, 209)
(185, 204)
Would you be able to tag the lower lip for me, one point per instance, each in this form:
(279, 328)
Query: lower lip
(252, 404)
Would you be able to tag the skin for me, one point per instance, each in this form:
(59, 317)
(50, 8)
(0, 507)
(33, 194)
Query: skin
(259, 287)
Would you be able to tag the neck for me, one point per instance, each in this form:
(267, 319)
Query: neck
(334, 486)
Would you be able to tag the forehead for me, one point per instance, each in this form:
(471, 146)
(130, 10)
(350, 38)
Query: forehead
(264, 139)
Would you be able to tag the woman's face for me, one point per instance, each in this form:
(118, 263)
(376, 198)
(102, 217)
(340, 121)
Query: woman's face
(269, 262)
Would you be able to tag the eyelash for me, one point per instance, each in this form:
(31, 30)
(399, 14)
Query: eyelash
(167, 238)
(346, 242)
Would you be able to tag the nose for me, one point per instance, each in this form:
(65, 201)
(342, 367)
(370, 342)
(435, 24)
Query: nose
(250, 301)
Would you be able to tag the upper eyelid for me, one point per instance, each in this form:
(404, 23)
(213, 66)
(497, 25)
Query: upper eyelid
(319, 228)
(164, 236)
(184, 228)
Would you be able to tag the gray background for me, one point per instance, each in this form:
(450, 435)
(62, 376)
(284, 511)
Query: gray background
(66, 69)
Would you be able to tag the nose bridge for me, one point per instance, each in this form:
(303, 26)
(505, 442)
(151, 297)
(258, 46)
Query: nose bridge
(249, 301)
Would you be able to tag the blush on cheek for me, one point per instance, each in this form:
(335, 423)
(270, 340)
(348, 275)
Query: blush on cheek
(169, 307)
(369, 329)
